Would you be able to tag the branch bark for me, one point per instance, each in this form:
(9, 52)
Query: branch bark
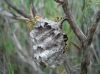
(93, 27)
(84, 40)
(17, 9)
(70, 19)
(86, 45)
(68, 66)
(34, 10)
(23, 52)
(4, 13)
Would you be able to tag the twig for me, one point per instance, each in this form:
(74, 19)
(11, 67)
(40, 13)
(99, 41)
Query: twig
(85, 40)
(34, 10)
(70, 20)
(17, 9)
(86, 45)
(22, 52)
(63, 19)
(68, 66)
(4, 13)
(94, 51)
(93, 27)
(94, 65)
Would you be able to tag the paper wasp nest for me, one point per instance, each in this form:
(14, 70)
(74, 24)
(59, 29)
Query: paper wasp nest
(48, 43)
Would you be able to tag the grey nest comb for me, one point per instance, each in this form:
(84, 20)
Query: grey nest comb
(48, 43)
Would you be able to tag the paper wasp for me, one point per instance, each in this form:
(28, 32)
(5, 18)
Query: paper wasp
(31, 22)
(56, 18)
(65, 38)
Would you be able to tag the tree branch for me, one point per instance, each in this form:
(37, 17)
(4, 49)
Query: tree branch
(34, 10)
(4, 13)
(17, 9)
(24, 55)
(70, 20)
(85, 40)
(93, 27)
(68, 67)
(85, 45)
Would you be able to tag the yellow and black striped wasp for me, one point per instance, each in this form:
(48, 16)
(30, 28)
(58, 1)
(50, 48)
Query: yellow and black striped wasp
(56, 17)
(65, 38)
(31, 22)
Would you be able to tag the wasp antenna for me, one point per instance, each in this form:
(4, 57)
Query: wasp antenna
(31, 12)
(25, 19)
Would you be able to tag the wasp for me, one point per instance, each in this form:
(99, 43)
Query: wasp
(31, 22)
(56, 18)
(65, 38)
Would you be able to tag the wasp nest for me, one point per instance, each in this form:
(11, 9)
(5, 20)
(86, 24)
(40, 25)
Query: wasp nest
(48, 43)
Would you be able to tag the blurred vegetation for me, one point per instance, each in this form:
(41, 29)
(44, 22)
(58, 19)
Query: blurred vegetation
(82, 13)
